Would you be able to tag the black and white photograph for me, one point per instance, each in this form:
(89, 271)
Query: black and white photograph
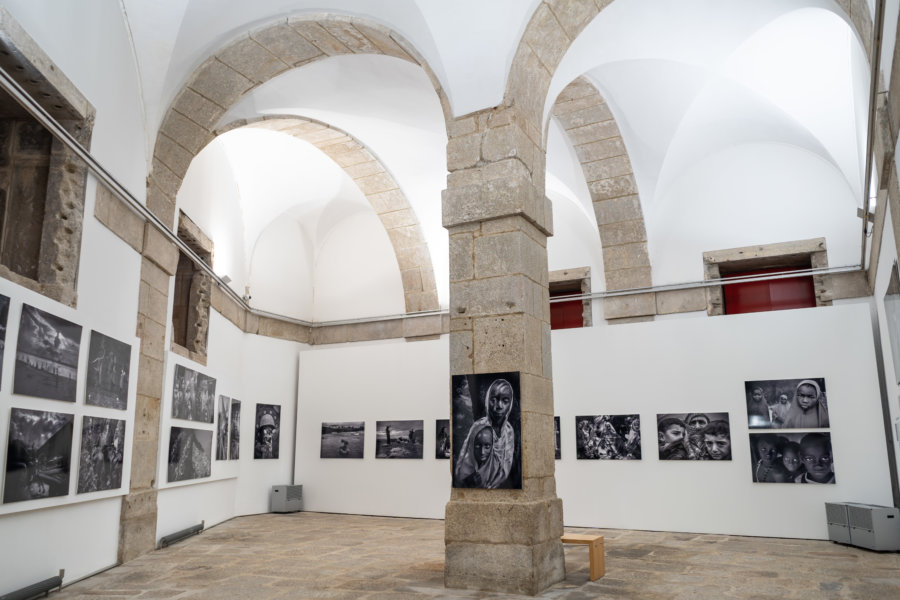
(109, 362)
(442, 438)
(222, 428)
(795, 457)
(399, 439)
(608, 437)
(46, 356)
(234, 434)
(694, 436)
(343, 440)
(192, 395)
(268, 430)
(38, 456)
(787, 404)
(190, 453)
(487, 431)
(4, 317)
(102, 454)
(557, 454)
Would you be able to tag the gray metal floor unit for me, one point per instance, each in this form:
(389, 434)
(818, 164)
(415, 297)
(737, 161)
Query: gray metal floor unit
(287, 498)
(864, 525)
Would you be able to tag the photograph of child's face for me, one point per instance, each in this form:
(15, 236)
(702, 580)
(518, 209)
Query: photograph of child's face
(806, 396)
(797, 457)
(816, 457)
(673, 433)
(718, 447)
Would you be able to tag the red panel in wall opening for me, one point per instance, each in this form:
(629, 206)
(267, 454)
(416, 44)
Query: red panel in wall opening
(775, 294)
(566, 315)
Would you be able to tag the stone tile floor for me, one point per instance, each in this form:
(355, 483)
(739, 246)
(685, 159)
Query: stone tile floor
(315, 555)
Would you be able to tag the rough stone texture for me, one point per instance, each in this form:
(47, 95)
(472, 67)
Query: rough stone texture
(159, 249)
(119, 219)
(679, 301)
(601, 150)
(632, 305)
(273, 556)
(198, 313)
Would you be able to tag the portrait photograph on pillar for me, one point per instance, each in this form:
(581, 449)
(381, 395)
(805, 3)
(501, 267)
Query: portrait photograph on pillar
(234, 435)
(38, 455)
(190, 453)
(192, 395)
(4, 317)
(787, 404)
(399, 439)
(343, 440)
(694, 436)
(102, 454)
(608, 437)
(109, 362)
(46, 356)
(796, 457)
(222, 428)
(268, 431)
(556, 440)
(487, 431)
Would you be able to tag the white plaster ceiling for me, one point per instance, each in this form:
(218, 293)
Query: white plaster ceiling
(690, 82)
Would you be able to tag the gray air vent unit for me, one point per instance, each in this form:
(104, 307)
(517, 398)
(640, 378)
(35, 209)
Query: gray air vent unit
(864, 525)
(287, 498)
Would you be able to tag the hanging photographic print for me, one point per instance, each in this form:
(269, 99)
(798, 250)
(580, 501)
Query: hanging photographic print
(342, 440)
(268, 429)
(399, 439)
(234, 440)
(109, 361)
(787, 404)
(487, 431)
(38, 455)
(694, 436)
(190, 453)
(796, 457)
(102, 453)
(557, 453)
(4, 316)
(192, 395)
(222, 428)
(442, 438)
(46, 356)
(608, 437)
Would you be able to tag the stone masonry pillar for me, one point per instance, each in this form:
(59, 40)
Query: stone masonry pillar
(499, 219)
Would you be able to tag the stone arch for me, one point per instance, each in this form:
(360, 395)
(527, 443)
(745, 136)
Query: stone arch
(245, 63)
(592, 129)
(380, 189)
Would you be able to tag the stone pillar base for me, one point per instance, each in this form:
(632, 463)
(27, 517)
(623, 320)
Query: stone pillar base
(512, 547)
(137, 525)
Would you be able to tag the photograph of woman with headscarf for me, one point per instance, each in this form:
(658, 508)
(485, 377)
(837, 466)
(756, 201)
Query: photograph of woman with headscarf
(787, 404)
(486, 417)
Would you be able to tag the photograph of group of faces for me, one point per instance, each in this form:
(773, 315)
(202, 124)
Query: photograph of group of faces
(39, 442)
(789, 456)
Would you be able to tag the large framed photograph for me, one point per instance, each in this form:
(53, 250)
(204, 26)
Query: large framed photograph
(343, 440)
(102, 454)
(109, 363)
(222, 428)
(4, 317)
(38, 455)
(795, 457)
(46, 356)
(487, 431)
(190, 453)
(192, 395)
(268, 431)
(787, 404)
(399, 439)
(234, 439)
(442, 438)
(608, 437)
(694, 436)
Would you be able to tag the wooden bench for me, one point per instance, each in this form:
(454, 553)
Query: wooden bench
(595, 543)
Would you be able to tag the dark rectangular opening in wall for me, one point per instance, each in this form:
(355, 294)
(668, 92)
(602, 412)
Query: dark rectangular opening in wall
(566, 314)
(25, 148)
(184, 275)
(773, 294)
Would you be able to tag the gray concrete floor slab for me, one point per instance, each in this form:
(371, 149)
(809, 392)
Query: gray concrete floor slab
(316, 555)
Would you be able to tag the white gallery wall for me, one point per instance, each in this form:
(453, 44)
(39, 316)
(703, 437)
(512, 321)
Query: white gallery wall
(671, 366)
(373, 381)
